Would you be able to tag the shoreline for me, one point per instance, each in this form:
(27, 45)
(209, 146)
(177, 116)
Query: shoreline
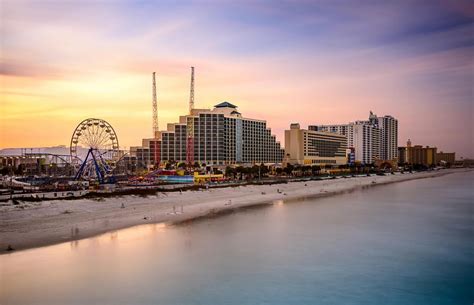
(46, 223)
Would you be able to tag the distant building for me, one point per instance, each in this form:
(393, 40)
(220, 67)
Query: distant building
(28, 165)
(343, 129)
(145, 156)
(448, 158)
(417, 155)
(402, 155)
(36, 164)
(351, 155)
(141, 155)
(309, 147)
(389, 136)
(173, 143)
(127, 165)
(221, 137)
(366, 142)
(372, 140)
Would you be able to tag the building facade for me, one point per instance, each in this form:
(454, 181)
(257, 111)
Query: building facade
(145, 156)
(221, 136)
(388, 135)
(309, 147)
(447, 158)
(372, 140)
(365, 139)
(417, 155)
(173, 143)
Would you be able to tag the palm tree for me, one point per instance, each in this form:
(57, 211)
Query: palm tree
(306, 170)
(230, 172)
(170, 164)
(289, 169)
(264, 170)
(315, 170)
(240, 171)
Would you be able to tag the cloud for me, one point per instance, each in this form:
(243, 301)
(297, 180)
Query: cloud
(327, 61)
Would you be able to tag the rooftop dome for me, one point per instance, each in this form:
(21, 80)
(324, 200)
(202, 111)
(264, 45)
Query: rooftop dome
(225, 104)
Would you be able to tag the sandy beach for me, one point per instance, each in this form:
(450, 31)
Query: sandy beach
(34, 224)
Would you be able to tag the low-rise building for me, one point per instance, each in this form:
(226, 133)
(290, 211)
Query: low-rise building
(447, 158)
(417, 155)
(309, 147)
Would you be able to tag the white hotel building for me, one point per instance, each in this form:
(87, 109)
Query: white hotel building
(372, 140)
(222, 136)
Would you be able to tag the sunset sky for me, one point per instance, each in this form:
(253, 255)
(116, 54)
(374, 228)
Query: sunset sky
(312, 62)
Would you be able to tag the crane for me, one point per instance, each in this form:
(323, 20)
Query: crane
(155, 109)
(156, 144)
(190, 125)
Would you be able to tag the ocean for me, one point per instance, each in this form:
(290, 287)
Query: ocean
(403, 243)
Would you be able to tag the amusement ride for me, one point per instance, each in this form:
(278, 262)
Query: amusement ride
(94, 150)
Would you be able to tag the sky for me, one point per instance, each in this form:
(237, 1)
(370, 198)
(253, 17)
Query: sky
(312, 62)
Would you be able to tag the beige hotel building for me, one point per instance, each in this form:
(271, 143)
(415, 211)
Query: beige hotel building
(308, 147)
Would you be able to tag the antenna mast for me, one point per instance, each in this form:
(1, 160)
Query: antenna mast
(191, 94)
(155, 109)
(190, 125)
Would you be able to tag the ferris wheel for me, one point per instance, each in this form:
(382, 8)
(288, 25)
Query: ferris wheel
(95, 149)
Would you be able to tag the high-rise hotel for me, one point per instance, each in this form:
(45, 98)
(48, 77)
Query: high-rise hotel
(371, 140)
(221, 136)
